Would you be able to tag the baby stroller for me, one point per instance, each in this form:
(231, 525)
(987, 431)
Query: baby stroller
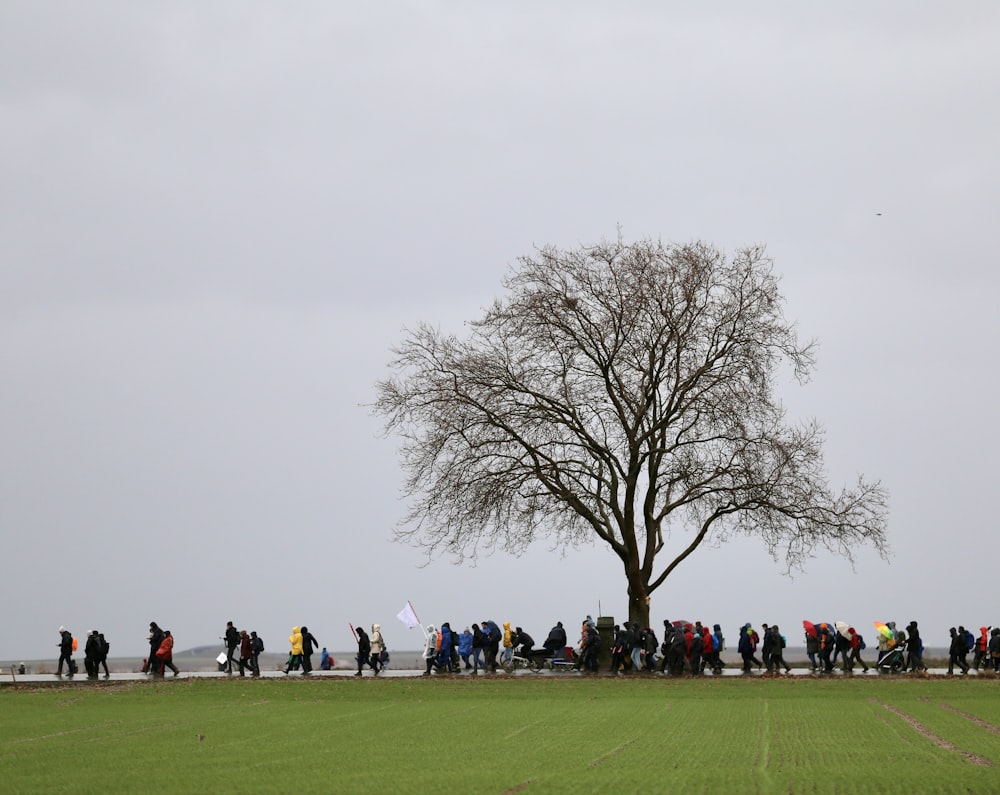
(891, 660)
(560, 660)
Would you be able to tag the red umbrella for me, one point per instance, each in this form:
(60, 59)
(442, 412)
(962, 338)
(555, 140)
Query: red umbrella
(810, 628)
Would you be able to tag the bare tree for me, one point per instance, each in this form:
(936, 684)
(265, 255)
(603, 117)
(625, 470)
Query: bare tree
(623, 392)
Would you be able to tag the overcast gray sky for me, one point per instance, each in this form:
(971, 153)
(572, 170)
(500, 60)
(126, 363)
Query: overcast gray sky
(216, 218)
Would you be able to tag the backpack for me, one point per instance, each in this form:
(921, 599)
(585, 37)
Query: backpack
(105, 647)
(970, 640)
(76, 644)
(861, 642)
(258, 644)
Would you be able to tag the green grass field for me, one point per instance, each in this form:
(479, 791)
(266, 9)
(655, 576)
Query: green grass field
(545, 735)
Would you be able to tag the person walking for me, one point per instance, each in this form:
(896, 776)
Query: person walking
(165, 654)
(309, 646)
(591, 648)
(826, 644)
(968, 644)
(994, 648)
(956, 653)
(295, 655)
(650, 645)
(364, 648)
(766, 642)
(465, 647)
(745, 648)
(617, 650)
(103, 659)
(246, 653)
(431, 640)
(842, 646)
(232, 641)
(555, 643)
(778, 650)
(478, 644)
(980, 660)
(256, 647)
(65, 652)
(444, 660)
(155, 638)
(857, 644)
(92, 654)
(812, 649)
(707, 649)
(718, 646)
(914, 648)
(696, 649)
(378, 646)
(635, 646)
(508, 643)
(491, 648)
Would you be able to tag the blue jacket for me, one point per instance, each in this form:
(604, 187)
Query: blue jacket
(746, 645)
(465, 643)
(495, 634)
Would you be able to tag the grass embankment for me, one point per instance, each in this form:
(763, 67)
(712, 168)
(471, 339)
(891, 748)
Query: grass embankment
(545, 735)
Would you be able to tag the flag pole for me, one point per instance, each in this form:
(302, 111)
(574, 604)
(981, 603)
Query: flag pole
(355, 634)
(414, 612)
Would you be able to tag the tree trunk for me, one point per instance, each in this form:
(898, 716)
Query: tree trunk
(638, 598)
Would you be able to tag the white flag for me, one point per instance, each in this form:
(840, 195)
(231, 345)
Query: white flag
(408, 617)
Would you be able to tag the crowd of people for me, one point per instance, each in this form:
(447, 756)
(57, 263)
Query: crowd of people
(692, 648)
(683, 648)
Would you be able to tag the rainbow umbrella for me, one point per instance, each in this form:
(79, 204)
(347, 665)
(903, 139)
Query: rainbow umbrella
(883, 629)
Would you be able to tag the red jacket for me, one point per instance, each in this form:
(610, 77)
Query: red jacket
(166, 650)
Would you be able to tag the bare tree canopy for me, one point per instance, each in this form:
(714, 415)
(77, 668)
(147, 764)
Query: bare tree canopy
(623, 392)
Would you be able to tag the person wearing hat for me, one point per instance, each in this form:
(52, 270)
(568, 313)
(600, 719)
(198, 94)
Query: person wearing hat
(65, 652)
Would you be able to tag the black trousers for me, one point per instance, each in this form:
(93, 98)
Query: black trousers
(68, 657)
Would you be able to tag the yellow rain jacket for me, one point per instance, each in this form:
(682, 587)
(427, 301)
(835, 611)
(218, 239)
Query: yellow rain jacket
(296, 640)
